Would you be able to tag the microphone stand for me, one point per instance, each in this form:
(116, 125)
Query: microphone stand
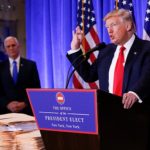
(69, 76)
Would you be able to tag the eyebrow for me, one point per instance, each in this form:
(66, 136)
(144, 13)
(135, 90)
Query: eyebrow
(11, 45)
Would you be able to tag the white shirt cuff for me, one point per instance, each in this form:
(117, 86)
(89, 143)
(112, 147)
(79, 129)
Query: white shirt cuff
(73, 51)
(139, 100)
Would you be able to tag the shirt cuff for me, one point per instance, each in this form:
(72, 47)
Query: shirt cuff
(73, 51)
(139, 100)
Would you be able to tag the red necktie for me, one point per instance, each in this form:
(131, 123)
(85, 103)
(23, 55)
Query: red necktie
(119, 73)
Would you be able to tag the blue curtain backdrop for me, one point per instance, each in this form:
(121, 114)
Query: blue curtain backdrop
(49, 26)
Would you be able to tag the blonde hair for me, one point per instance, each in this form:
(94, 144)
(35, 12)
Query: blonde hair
(126, 15)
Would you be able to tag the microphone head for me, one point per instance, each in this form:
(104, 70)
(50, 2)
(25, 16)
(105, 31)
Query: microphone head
(100, 46)
(96, 48)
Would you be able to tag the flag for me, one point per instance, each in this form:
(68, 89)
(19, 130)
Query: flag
(87, 22)
(146, 31)
(125, 4)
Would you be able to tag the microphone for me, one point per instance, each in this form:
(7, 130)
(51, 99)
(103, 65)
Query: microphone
(98, 47)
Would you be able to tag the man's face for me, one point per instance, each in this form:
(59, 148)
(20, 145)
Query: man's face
(117, 30)
(12, 48)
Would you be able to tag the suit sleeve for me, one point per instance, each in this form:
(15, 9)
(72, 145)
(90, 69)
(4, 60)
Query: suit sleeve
(142, 86)
(86, 71)
(34, 81)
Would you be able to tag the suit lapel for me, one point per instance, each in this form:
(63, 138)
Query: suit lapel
(133, 53)
(21, 70)
(108, 54)
(6, 73)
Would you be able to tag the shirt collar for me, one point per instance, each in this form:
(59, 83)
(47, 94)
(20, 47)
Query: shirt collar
(17, 60)
(129, 43)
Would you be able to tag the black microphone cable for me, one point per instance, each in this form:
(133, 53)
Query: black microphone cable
(70, 75)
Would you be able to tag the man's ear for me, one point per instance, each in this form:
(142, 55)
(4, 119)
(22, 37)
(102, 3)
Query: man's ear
(129, 26)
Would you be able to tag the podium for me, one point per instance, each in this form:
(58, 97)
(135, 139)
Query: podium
(118, 128)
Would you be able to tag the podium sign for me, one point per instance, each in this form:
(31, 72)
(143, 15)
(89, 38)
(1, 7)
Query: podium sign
(65, 110)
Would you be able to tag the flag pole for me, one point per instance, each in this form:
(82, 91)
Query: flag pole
(117, 5)
(83, 41)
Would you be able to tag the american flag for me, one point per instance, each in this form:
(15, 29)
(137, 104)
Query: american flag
(87, 22)
(125, 4)
(146, 32)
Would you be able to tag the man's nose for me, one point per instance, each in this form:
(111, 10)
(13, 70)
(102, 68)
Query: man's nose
(110, 30)
(11, 47)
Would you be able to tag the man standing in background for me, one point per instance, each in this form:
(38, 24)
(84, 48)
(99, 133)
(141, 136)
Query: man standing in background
(16, 74)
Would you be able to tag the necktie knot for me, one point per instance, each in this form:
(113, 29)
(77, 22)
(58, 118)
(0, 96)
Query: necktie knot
(14, 62)
(121, 55)
(122, 48)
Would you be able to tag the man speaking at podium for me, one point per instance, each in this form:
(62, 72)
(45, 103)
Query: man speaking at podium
(122, 67)
(16, 74)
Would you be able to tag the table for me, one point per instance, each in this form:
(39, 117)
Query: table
(19, 132)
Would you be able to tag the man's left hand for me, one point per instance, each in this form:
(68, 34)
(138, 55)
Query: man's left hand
(128, 100)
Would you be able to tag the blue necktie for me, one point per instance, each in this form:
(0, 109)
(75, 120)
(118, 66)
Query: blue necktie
(15, 73)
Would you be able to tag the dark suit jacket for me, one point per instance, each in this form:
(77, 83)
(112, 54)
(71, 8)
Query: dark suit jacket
(9, 91)
(3, 56)
(136, 73)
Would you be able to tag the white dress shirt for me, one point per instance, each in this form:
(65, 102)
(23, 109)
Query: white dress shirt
(127, 45)
(11, 64)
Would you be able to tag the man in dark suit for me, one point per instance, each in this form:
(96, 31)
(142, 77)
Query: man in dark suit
(134, 75)
(13, 97)
(3, 56)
